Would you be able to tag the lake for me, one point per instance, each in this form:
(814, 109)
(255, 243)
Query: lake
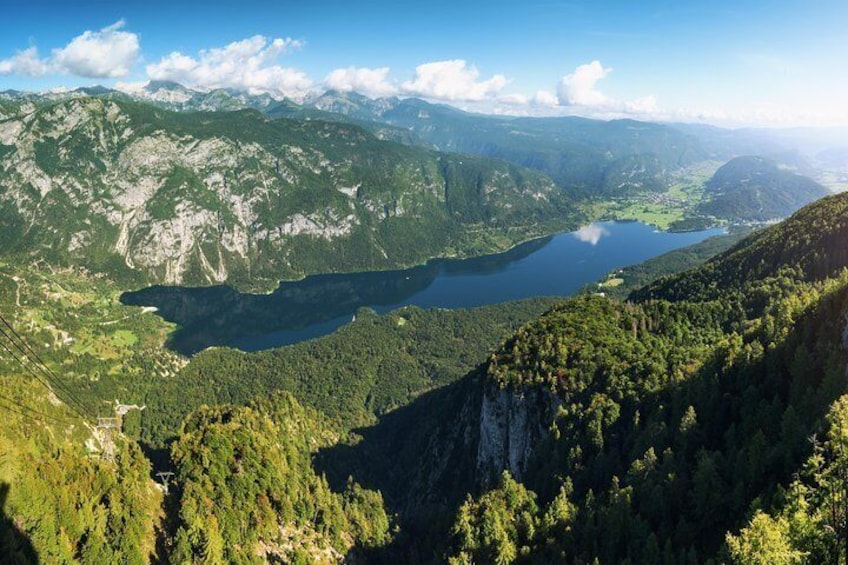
(554, 266)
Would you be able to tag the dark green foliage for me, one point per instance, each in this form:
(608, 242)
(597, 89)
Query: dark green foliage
(247, 485)
(672, 421)
(677, 418)
(363, 370)
(809, 524)
(669, 427)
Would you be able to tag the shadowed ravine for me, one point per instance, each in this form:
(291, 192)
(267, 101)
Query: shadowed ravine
(15, 546)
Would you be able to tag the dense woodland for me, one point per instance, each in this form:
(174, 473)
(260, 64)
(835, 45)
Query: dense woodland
(699, 417)
(365, 369)
(753, 188)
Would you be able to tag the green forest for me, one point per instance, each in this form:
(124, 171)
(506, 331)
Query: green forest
(691, 409)
(701, 420)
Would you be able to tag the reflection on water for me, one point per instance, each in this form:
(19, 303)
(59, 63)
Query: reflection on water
(591, 234)
(554, 266)
(317, 305)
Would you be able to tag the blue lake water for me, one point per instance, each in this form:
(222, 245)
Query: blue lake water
(555, 266)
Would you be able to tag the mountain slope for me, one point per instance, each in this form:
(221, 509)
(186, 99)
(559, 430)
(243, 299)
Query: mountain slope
(756, 188)
(592, 157)
(639, 431)
(809, 245)
(201, 198)
(248, 493)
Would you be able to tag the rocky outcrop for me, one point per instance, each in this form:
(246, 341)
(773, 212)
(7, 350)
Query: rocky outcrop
(512, 423)
(212, 198)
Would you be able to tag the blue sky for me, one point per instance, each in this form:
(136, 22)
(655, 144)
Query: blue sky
(732, 63)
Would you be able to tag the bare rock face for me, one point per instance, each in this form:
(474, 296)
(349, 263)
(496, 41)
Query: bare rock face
(208, 198)
(512, 423)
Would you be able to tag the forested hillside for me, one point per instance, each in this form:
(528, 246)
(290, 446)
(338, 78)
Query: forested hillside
(638, 432)
(363, 370)
(757, 189)
(673, 427)
(678, 420)
(150, 195)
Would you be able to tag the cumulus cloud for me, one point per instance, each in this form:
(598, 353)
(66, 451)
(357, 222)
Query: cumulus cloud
(591, 234)
(249, 64)
(108, 53)
(580, 87)
(366, 81)
(26, 63)
(545, 99)
(452, 81)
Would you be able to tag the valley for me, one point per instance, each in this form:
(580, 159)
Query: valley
(370, 330)
(555, 266)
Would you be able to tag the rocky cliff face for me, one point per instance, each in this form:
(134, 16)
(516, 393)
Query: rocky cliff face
(233, 196)
(512, 423)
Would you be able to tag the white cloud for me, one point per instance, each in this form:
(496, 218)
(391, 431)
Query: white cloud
(579, 87)
(108, 53)
(249, 64)
(591, 234)
(646, 105)
(513, 99)
(25, 63)
(452, 80)
(363, 80)
(545, 99)
(131, 87)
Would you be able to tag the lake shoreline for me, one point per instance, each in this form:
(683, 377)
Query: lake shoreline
(554, 265)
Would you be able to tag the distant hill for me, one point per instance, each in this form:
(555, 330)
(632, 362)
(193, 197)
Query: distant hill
(591, 157)
(755, 188)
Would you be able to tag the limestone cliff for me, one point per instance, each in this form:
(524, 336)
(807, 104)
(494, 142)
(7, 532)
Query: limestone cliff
(204, 198)
(512, 423)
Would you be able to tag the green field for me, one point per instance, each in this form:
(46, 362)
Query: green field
(660, 209)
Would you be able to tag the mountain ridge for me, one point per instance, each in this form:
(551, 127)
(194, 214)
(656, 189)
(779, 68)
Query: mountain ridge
(203, 198)
(755, 188)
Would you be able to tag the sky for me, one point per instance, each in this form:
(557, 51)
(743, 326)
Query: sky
(740, 63)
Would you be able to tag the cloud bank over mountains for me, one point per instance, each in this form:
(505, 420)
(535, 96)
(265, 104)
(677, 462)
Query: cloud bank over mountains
(256, 65)
(259, 65)
(250, 64)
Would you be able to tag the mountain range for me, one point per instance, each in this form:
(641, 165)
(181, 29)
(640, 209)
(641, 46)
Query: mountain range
(161, 196)
(172, 185)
